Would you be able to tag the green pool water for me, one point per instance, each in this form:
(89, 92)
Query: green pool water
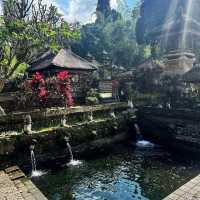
(126, 174)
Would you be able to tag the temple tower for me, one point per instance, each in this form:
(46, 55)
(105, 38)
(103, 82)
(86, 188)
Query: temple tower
(175, 26)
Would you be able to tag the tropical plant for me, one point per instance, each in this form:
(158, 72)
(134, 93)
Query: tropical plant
(64, 87)
(115, 34)
(29, 28)
(39, 89)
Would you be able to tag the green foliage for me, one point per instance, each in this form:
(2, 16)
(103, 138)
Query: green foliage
(21, 69)
(29, 28)
(114, 34)
(147, 52)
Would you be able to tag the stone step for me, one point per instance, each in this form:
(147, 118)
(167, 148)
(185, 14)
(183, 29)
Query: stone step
(7, 188)
(11, 169)
(16, 175)
(14, 185)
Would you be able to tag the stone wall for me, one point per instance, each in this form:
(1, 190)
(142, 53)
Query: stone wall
(179, 129)
(86, 137)
(51, 116)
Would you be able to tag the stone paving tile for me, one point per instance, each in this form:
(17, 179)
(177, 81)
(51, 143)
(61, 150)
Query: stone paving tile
(11, 169)
(189, 191)
(20, 188)
(8, 190)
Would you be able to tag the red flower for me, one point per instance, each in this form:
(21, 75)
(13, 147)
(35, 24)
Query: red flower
(37, 80)
(69, 97)
(37, 76)
(42, 93)
(64, 87)
(63, 75)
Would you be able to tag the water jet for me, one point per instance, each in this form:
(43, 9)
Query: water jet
(72, 162)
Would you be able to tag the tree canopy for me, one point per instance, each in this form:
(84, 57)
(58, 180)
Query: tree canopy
(114, 34)
(29, 28)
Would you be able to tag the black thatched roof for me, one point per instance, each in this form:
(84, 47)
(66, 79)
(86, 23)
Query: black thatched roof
(193, 76)
(65, 59)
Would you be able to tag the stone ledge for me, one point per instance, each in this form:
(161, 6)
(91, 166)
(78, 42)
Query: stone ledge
(189, 191)
(18, 187)
(37, 114)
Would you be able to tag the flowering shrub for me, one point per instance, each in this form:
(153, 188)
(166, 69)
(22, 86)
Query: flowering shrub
(38, 85)
(39, 89)
(37, 81)
(64, 87)
(42, 93)
(63, 76)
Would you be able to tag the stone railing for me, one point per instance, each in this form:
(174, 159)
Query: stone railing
(111, 124)
(51, 117)
(178, 128)
(38, 114)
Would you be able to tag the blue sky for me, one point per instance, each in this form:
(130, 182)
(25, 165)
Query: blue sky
(81, 10)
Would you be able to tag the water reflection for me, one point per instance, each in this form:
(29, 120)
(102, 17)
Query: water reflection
(129, 175)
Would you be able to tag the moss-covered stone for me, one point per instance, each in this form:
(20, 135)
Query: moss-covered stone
(84, 135)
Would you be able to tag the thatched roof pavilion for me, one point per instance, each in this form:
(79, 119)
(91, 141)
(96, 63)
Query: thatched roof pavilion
(51, 63)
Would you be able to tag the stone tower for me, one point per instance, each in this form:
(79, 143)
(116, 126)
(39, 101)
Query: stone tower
(174, 25)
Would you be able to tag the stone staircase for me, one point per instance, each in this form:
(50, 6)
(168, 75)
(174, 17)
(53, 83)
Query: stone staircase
(14, 185)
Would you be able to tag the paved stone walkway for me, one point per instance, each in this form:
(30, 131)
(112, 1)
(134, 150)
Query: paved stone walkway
(189, 191)
(8, 189)
(14, 185)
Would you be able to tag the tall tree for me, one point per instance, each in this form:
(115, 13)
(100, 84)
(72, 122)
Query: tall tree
(103, 8)
(114, 34)
(28, 29)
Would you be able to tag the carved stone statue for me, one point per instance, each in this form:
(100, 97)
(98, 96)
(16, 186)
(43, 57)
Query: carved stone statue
(27, 124)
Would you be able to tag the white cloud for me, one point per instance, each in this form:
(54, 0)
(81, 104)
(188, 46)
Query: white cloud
(77, 10)
(114, 4)
(84, 10)
(1, 12)
(47, 2)
(81, 10)
(55, 3)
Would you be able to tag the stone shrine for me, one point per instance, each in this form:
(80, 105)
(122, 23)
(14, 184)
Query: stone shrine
(174, 26)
